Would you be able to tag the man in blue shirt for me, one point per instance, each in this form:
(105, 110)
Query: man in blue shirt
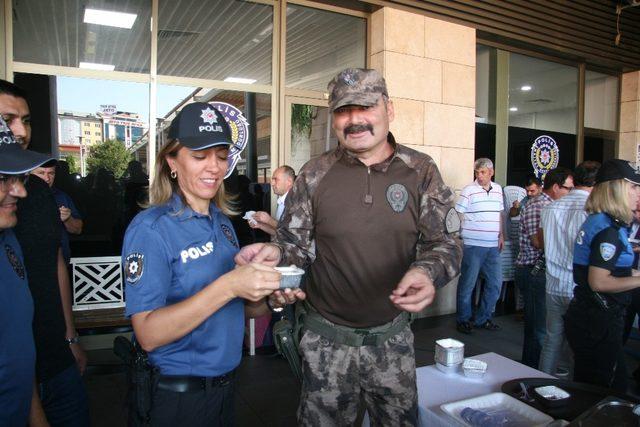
(17, 353)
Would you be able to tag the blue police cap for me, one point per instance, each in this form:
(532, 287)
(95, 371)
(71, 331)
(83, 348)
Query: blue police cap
(15, 160)
(200, 125)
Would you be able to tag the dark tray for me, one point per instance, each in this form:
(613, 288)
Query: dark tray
(583, 396)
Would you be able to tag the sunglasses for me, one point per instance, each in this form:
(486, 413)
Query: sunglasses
(8, 181)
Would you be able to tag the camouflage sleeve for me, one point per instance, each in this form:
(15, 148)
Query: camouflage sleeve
(438, 252)
(294, 235)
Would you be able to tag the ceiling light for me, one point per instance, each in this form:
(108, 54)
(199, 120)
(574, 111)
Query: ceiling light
(513, 109)
(94, 66)
(109, 18)
(239, 80)
(525, 88)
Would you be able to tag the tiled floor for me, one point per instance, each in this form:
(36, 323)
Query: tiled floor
(267, 393)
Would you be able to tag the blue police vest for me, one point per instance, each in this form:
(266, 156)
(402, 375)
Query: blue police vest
(594, 224)
(170, 253)
(18, 354)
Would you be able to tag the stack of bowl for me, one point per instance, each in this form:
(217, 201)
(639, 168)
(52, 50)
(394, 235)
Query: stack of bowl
(449, 355)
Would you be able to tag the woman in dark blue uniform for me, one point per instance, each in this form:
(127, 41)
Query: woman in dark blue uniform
(602, 270)
(183, 292)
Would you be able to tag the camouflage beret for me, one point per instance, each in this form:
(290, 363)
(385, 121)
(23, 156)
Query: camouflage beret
(356, 86)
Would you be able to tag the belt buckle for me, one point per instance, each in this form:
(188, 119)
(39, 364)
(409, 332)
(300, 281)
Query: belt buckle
(368, 338)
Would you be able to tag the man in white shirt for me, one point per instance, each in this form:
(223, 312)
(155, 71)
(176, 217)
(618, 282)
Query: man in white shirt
(560, 222)
(481, 206)
(281, 182)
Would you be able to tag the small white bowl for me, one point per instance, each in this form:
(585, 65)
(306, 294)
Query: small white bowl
(474, 368)
(290, 276)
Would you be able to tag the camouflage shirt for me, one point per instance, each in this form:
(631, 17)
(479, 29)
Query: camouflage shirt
(358, 229)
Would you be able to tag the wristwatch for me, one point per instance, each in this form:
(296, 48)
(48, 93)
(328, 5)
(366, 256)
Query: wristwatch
(74, 340)
(272, 308)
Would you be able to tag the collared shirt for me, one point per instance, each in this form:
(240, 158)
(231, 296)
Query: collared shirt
(560, 221)
(529, 225)
(18, 354)
(482, 211)
(280, 203)
(170, 253)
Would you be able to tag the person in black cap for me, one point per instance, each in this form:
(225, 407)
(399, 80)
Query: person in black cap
(184, 296)
(602, 271)
(17, 358)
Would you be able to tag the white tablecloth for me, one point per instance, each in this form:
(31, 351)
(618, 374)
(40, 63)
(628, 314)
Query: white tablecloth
(436, 388)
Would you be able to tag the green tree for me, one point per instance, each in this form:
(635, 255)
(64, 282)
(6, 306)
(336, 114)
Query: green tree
(73, 163)
(110, 155)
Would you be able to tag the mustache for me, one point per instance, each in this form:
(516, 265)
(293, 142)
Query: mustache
(357, 128)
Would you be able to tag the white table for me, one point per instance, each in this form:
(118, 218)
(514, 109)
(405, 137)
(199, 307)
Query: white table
(436, 388)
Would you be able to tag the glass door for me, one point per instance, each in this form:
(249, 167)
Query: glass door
(308, 131)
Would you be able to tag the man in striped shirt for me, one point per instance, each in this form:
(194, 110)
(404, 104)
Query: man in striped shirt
(529, 274)
(481, 207)
(559, 226)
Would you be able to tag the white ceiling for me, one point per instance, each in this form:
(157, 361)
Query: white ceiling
(210, 39)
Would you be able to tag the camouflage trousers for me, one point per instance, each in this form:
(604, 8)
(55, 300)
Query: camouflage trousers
(338, 379)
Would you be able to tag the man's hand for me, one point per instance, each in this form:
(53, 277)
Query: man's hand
(286, 297)
(262, 253)
(65, 213)
(414, 292)
(80, 356)
(500, 242)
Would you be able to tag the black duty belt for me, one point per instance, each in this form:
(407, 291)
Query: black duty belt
(186, 384)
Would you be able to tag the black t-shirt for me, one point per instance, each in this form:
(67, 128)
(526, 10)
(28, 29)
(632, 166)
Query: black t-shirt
(39, 234)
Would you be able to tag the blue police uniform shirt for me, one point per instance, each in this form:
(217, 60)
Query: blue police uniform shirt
(170, 253)
(17, 351)
(602, 242)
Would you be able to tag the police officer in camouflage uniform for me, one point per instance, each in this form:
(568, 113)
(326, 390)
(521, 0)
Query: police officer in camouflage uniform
(368, 221)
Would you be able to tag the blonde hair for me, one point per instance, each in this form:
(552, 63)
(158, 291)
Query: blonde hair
(611, 197)
(164, 187)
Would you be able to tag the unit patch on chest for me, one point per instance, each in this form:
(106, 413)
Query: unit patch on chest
(397, 196)
(15, 262)
(226, 230)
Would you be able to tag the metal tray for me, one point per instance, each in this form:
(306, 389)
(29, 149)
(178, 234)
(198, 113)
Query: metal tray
(610, 411)
(582, 396)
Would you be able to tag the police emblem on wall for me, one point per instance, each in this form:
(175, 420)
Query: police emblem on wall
(15, 262)
(397, 196)
(239, 127)
(544, 155)
(133, 267)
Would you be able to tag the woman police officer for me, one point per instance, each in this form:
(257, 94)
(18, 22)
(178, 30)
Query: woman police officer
(602, 270)
(183, 294)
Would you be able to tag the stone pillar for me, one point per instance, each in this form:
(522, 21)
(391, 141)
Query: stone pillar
(630, 117)
(429, 66)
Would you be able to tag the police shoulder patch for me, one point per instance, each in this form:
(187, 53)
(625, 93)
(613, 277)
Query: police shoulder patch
(134, 267)
(452, 221)
(15, 262)
(607, 251)
(397, 196)
(226, 230)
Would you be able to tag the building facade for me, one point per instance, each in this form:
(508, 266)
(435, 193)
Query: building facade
(468, 78)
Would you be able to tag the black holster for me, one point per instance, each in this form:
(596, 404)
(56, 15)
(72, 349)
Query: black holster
(141, 381)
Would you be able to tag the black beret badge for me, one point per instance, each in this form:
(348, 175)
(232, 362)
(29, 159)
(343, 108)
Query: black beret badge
(133, 267)
(15, 262)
